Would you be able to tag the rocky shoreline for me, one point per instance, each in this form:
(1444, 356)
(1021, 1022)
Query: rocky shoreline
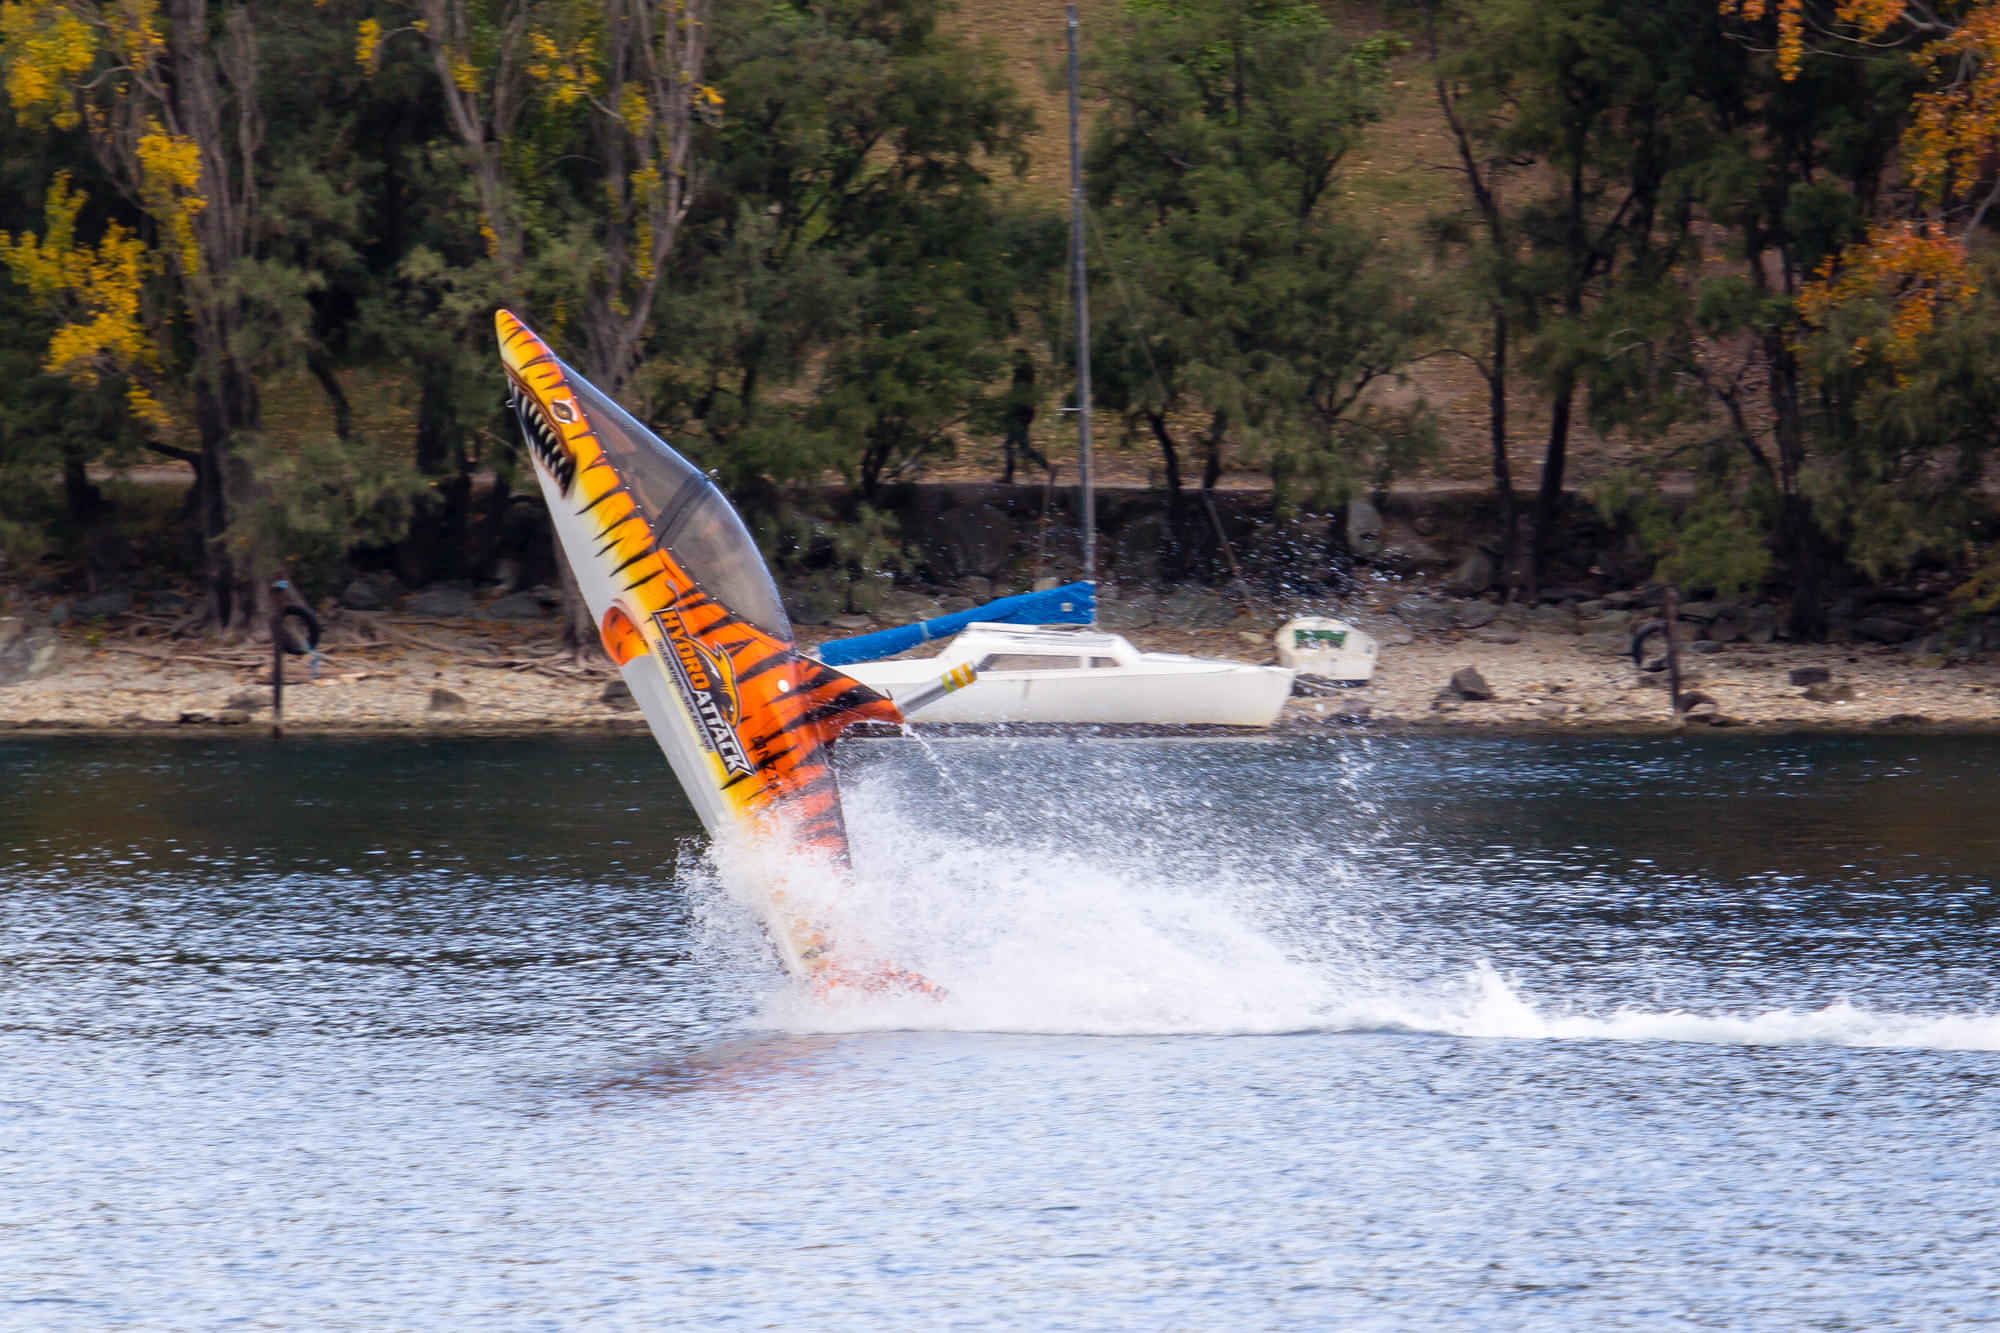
(1548, 668)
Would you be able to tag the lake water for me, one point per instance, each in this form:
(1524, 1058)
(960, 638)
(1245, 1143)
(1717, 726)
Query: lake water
(1479, 1033)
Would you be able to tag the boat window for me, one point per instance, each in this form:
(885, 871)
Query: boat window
(1103, 661)
(687, 512)
(1029, 662)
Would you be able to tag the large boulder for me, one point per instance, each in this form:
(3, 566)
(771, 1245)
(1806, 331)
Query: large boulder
(1474, 575)
(536, 605)
(101, 606)
(1607, 643)
(1128, 613)
(902, 605)
(1729, 625)
(1364, 528)
(816, 598)
(1475, 615)
(1884, 629)
(1467, 683)
(364, 594)
(446, 601)
(1425, 613)
(1196, 608)
(27, 654)
(1561, 619)
(976, 539)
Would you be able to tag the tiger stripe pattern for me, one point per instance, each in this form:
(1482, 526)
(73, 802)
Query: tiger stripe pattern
(766, 715)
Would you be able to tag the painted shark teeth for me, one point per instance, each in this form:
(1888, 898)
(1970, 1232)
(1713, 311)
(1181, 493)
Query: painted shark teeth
(543, 437)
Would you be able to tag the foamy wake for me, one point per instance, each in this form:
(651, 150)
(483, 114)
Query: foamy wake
(1126, 939)
(1487, 1005)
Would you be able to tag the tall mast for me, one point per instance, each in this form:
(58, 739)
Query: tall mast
(1081, 295)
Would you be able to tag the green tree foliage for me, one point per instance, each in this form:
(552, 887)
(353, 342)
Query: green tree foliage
(204, 287)
(853, 275)
(1233, 305)
(1654, 196)
(268, 239)
(1572, 123)
(1772, 178)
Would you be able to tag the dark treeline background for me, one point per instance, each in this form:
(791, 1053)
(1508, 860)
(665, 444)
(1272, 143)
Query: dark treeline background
(799, 239)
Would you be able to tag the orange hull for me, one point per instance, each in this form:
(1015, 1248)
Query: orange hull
(686, 609)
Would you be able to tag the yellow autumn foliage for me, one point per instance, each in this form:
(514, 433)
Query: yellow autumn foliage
(46, 49)
(134, 29)
(96, 289)
(368, 45)
(568, 75)
(645, 186)
(170, 190)
(634, 110)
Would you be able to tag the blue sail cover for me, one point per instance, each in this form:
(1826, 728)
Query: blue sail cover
(1071, 604)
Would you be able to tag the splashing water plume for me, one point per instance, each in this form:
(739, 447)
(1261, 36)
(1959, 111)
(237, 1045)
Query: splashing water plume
(1116, 917)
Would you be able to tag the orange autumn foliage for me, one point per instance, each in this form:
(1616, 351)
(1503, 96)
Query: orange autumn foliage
(1920, 268)
(1916, 267)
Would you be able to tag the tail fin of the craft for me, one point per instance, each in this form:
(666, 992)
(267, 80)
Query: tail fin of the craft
(836, 701)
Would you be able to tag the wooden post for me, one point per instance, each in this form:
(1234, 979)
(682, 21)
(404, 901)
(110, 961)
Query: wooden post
(278, 671)
(1671, 608)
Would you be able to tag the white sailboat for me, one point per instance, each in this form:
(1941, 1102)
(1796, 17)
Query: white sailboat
(1077, 675)
(1071, 674)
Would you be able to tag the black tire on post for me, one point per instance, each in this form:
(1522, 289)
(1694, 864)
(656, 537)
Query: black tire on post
(1639, 637)
(291, 642)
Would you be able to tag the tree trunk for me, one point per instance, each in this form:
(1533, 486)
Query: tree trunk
(1548, 500)
(579, 633)
(1211, 471)
(212, 479)
(336, 397)
(1798, 529)
(1486, 200)
(1173, 551)
(435, 545)
(492, 527)
(249, 605)
(1503, 469)
(81, 497)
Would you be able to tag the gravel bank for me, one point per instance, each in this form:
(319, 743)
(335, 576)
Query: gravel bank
(384, 674)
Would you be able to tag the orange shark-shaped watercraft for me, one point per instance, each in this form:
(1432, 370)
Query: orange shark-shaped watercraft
(687, 610)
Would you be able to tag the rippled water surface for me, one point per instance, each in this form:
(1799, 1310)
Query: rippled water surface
(1446, 1033)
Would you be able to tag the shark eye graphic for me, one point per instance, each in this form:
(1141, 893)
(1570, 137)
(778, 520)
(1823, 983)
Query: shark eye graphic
(564, 412)
(542, 436)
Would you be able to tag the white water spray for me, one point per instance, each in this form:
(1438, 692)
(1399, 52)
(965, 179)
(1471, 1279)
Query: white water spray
(1117, 922)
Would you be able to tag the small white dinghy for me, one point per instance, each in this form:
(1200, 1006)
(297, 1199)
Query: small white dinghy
(1328, 650)
(1077, 675)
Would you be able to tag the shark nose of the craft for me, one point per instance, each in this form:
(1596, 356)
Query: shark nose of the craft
(504, 325)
